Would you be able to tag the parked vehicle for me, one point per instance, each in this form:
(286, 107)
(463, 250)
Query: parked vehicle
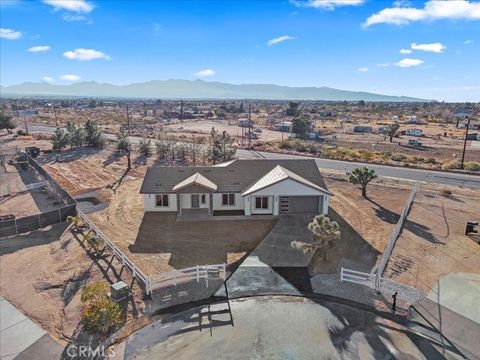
(7, 217)
(414, 143)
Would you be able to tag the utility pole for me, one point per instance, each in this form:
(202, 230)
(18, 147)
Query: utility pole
(128, 122)
(465, 142)
(249, 124)
(55, 115)
(181, 110)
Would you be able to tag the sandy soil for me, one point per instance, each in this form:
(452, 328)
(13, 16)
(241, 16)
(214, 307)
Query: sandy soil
(433, 243)
(43, 272)
(157, 243)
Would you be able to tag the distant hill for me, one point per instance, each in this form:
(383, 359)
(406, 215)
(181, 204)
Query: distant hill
(197, 89)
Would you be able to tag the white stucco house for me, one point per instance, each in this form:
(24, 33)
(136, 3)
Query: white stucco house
(414, 132)
(240, 187)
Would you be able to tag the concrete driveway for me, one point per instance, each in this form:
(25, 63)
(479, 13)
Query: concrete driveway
(277, 328)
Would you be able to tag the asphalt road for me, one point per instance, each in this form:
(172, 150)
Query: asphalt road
(447, 178)
(440, 177)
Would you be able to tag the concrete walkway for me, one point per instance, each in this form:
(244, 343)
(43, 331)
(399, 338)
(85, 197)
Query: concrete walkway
(22, 339)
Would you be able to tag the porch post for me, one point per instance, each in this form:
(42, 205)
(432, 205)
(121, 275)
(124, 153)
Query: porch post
(210, 204)
(179, 205)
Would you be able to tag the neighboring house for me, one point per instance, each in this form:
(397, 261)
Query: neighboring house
(362, 129)
(239, 187)
(285, 126)
(473, 136)
(412, 119)
(413, 132)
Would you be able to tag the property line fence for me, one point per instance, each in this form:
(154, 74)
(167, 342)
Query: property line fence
(396, 232)
(195, 273)
(358, 277)
(34, 222)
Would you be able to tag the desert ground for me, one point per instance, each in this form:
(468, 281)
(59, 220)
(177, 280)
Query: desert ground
(43, 272)
(433, 243)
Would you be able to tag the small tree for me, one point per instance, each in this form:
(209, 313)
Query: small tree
(76, 221)
(122, 143)
(300, 125)
(227, 146)
(100, 314)
(75, 135)
(215, 146)
(362, 176)
(144, 146)
(59, 139)
(325, 231)
(93, 134)
(93, 242)
(293, 109)
(391, 131)
(6, 122)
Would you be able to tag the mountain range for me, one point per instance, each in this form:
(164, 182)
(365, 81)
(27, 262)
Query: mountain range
(196, 89)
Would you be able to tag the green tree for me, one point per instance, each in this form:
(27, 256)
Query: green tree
(215, 146)
(144, 146)
(227, 146)
(162, 144)
(6, 122)
(100, 314)
(391, 131)
(300, 125)
(362, 176)
(293, 109)
(59, 139)
(75, 135)
(325, 231)
(93, 134)
(122, 143)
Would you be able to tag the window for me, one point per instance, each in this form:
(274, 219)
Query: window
(228, 199)
(162, 200)
(204, 199)
(261, 202)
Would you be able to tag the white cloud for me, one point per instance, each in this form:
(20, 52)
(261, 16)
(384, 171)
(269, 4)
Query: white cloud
(205, 73)
(326, 4)
(468, 42)
(363, 69)
(405, 51)
(10, 34)
(39, 48)
(279, 40)
(433, 47)
(86, 54)
(384, 65)
(70, 77)
(433, 10)
(407, 62)
(47, 79)
(74, 18)
(78, 6)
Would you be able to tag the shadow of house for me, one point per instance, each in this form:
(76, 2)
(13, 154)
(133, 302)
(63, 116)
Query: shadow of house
(197, 242)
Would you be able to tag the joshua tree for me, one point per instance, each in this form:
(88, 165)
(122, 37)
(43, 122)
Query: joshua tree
(324, 232)
(391, 131)
(362, 176)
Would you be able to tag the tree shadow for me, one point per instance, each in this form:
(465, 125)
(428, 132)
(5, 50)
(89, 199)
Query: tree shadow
(113, 157)
(69, 155)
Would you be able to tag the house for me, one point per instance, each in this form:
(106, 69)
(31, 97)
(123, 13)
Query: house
(239, 187)
(473, 136)
(412, 119)
(285, 126)
(362, 129)
(413, 132)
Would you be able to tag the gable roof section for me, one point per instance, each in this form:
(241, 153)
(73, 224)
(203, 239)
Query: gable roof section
(276, 175)
(196, 179)
(236, 176)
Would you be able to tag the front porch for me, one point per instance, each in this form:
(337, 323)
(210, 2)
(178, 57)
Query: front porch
(204, 215)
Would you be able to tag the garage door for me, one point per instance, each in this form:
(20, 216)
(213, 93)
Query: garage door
(298, 204)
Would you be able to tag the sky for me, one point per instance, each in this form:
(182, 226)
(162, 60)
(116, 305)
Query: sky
(428, 49)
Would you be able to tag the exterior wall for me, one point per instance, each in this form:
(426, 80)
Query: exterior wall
(149, 203)
(270, 209)
(186, 201)
(217, 202)
(288, 187)
(324, 204)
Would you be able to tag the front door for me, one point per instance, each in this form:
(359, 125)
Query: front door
(195, 201)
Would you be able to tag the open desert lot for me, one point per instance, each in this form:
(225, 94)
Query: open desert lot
(433, 243)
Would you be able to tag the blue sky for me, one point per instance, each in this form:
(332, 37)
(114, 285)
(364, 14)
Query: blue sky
(346, 44)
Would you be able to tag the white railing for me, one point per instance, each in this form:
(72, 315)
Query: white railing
(396, 232)
(152, 282)
(195, 273)
(136, 272)
(358, 277)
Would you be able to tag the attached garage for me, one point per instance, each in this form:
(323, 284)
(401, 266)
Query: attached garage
(300, 204)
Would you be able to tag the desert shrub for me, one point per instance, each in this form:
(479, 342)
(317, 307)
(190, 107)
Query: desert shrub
(398, 157)
(472, 166)
(100, 314)
(411, 159)
(430, 160)
(451, 164)
(446, 192)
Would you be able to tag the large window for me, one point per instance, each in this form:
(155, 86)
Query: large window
(162, 200)
(228, 199)
(261, 202)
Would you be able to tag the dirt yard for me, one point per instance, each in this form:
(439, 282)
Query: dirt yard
(433, 243)
(157, 243)
(43, 272)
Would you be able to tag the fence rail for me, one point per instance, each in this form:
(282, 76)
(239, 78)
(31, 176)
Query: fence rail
(358, 277)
